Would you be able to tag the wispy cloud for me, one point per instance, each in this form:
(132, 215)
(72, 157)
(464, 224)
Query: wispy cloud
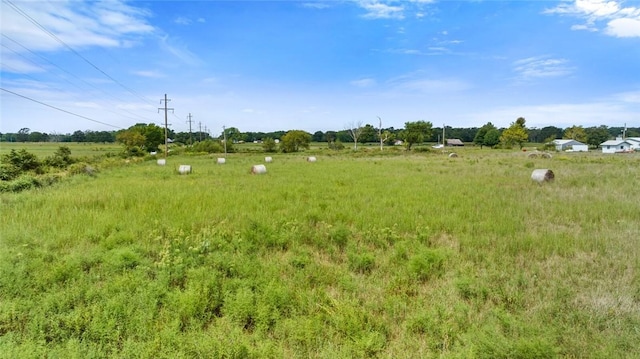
(316, 5)
(181, 20)
(380, 10)
(532, 68)
(620, 21)
(180, 51)
(77, 24)
(149, 74)
(418, 82)
(365, 82)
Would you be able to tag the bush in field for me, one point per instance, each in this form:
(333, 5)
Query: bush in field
(295, 140)
(336, 145)
(427, 264)
(60, 159)
(269, 145)
(18, 162)
(211, 146)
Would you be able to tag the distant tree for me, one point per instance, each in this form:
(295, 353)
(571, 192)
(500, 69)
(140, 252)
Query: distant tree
(318, 136)
(415, 132)
(575, 133)
(550, 131)
(597, 135)
(23, 135)
(77, 136)
(61, 158)
(388, 137)
(234, 135)
(269, 145)
(368, 134)
(492, 137)
(354, 129)
(36, 136)
(294, 140)
(330, 136)
(132, 140)
(479, 139)
(515, 134)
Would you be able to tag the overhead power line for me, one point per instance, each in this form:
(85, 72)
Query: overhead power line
(53, 36)
(68, 73)
(59, 109)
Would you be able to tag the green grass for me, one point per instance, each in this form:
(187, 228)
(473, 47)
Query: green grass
(44, 149)
(387, 255)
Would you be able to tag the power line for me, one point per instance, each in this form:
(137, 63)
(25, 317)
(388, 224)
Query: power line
(65, 71)
(52, 35)
(59, 109)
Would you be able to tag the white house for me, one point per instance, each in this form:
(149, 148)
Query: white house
(575, 146)
(636, 145)
(618, 145)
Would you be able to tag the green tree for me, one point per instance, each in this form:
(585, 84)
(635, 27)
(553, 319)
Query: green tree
(23, 135)
(269, 145)
(294, 140)
(318, 136)
(515, 134)
(415, 132)
(576, 133)
(480, 138)
(597, 135)
(492, 138)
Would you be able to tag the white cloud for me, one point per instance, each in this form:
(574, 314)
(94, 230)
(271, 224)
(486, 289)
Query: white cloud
(76, 24)
(150, 74)
(316, 5)
(366, 82)
(624, 27)
(620, 21)
(541, 67)
(379, 10)
(181, 20)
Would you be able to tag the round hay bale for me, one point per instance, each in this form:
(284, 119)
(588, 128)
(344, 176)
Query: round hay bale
(546, 155)
(311, 159)
(222, 160)
(162, 162)
(184, 169)
(453, 155)
(258, 169)
(542, 175)
(532, 155)
(268, 159)
(153, 153)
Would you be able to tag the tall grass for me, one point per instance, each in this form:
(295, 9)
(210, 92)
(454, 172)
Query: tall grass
(365, 255)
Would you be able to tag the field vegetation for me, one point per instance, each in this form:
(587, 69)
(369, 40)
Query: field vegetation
(368, 254)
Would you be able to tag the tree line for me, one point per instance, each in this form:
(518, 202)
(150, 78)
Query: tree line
(487, 135)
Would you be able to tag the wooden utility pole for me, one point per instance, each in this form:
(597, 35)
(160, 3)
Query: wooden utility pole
(224, 140)
(380, 132)
(189, 122)
(166, 125)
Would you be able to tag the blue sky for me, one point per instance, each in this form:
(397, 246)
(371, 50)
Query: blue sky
(318, 65)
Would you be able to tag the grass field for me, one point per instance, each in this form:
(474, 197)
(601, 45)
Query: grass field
(44, 149)
(357, 255)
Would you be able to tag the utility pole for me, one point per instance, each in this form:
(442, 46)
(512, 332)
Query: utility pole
(200, 131)
(224, 140)
(206, 133)
(189, 122)
(380, 132)
(166, 125)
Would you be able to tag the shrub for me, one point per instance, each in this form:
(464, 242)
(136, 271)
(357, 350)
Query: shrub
(427, 264)
(269, 145)
(60, 159)
(18, 162)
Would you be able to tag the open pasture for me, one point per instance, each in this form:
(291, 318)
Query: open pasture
(355, 255)
(78, 149)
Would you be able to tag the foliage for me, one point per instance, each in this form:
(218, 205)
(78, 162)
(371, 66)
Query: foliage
(145, 137)
(481, 139)
(60, 159)
(269, 145)
(597, 135)
(576, 133)
(415, 132)
(516, 134)
(336, 145)
(295, 140)
(18, 162)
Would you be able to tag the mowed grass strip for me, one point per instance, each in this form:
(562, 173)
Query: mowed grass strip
(359, 255)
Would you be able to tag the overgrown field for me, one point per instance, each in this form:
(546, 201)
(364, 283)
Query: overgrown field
(79, 150)
(365, 255)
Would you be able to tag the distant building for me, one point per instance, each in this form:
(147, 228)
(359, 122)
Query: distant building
(573, 145)
(620, 146)
(454, 142)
